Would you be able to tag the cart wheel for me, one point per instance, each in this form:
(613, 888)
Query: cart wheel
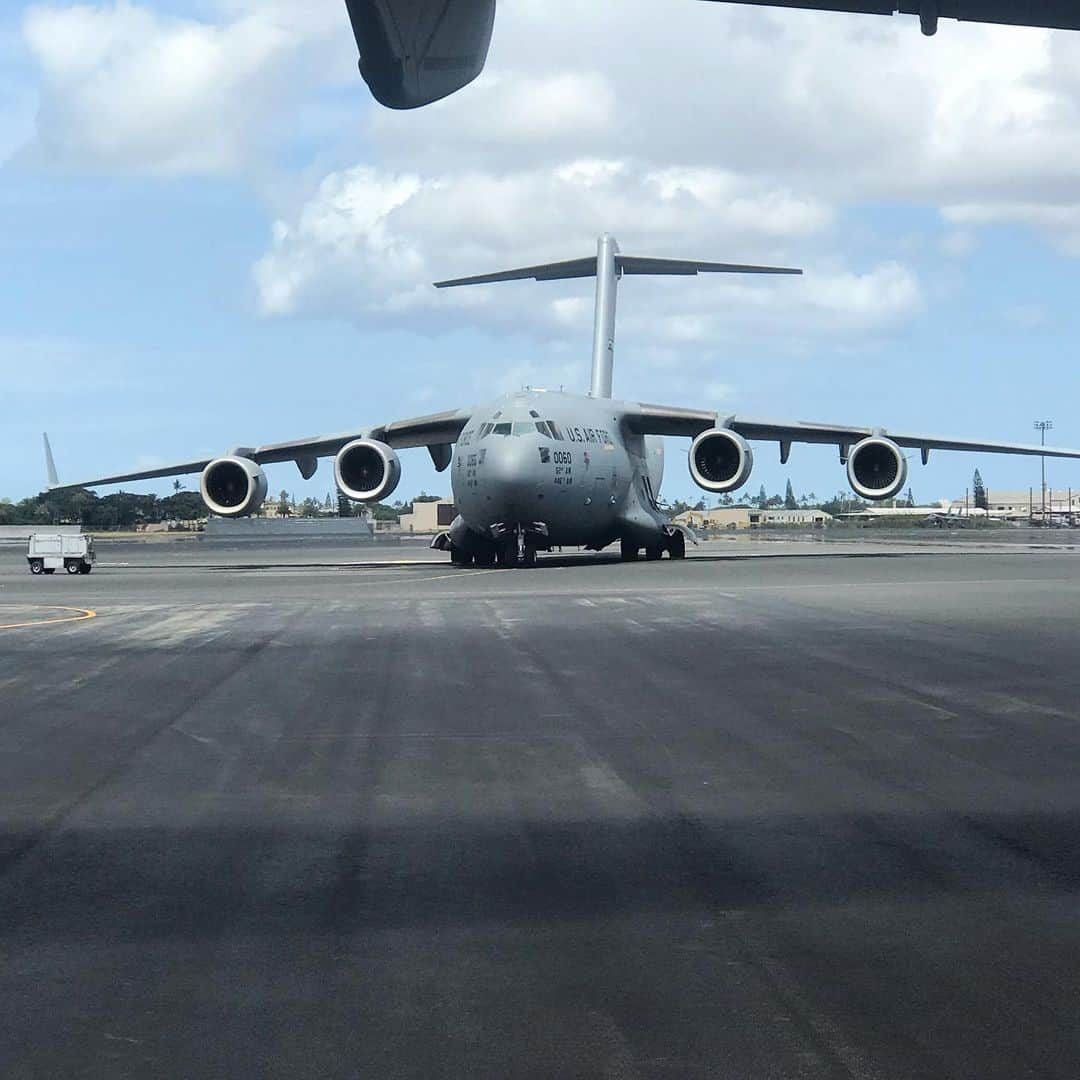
(85, 568)
(71, 566)
(36, 566)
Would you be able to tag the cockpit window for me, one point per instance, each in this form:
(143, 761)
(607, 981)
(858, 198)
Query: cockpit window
(542, 427)
(555, 432)
(485, 429)
(523, 428)
(501, 429)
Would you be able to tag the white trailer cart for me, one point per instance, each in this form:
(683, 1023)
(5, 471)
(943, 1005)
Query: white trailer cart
(48, 552)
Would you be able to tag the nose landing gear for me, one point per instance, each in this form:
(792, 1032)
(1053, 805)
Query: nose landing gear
(510, 547)
(516, 548)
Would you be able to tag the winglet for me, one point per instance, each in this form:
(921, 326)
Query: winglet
(50, 465)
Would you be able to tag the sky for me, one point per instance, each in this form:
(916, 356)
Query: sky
(211, 236)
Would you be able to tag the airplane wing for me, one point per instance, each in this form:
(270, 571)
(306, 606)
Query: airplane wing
(1052, 14)
(437, 432)
(413, 52)
(665, 420)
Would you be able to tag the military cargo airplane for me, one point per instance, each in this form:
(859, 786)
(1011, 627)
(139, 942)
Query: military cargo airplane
(539, 469)
(413, 52)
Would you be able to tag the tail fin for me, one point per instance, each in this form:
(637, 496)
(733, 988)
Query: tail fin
(50, 465)
(607, 267)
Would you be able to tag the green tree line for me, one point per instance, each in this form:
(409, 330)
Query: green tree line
(121, 510)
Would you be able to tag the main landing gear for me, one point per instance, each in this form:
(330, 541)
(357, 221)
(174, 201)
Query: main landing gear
(674, 545)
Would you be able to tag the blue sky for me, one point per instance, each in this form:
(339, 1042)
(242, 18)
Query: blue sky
(241, 253)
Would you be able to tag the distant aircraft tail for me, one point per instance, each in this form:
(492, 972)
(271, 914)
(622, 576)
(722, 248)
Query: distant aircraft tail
(50, 465)
(607, 267)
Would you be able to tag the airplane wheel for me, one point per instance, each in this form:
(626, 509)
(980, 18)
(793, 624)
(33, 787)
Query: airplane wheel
(506, 553)
(485, 558)
(677, 546)
(530, 556)
(628, 552)
(460, 558)
(37, 566)
(653, 553)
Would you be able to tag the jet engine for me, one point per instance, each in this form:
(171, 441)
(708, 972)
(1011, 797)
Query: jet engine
(367, 470)
(720, 460)
(876, 468)
(233, 486)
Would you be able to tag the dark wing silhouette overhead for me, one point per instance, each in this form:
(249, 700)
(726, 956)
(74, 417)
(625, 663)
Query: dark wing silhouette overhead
(413, 52)
(1054, 14)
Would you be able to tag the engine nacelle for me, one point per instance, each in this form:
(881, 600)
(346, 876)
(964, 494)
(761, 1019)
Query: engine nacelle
(876, 468)
(367, 470)
(233, 486)
(720, 460)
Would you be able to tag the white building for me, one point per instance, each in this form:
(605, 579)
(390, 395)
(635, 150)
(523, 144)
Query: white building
(803, 516)
(719, 517)
(1061, 504)
(428, 517)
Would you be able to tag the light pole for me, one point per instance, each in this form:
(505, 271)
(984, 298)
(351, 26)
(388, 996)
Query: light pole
(1042, 427)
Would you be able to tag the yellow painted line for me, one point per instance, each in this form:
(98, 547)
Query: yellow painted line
(83, 613)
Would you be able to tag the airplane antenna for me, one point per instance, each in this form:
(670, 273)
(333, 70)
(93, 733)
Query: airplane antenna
(607, 267)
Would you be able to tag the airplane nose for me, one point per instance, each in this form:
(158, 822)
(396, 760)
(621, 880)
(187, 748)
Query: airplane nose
(510, 472)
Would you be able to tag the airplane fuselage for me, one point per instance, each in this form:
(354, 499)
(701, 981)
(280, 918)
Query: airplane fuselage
(559, 467)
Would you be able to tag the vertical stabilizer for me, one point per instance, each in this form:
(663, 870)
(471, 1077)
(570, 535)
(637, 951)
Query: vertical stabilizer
(50, 465)
(603, 350)
(608, 266)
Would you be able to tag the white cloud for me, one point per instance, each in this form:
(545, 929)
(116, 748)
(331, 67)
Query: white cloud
(716, 132)
(1058, 222)
(722, 132)
(367, 244)
(125, 88)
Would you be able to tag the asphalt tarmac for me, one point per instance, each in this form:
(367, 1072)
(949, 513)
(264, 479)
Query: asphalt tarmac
(312, 814)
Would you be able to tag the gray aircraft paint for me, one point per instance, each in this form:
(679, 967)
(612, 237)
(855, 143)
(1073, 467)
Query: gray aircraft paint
(592, 479)
(587, 480)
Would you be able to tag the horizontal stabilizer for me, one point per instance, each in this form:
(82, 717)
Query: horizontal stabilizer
(639, 264)
(556, 271)
(624, 264)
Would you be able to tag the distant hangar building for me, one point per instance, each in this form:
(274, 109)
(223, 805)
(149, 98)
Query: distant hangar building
(1061, 503)
(748, 517)
(428, 517)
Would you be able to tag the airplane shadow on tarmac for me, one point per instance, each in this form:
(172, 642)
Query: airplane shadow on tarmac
(557, 562)
(128, 884)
